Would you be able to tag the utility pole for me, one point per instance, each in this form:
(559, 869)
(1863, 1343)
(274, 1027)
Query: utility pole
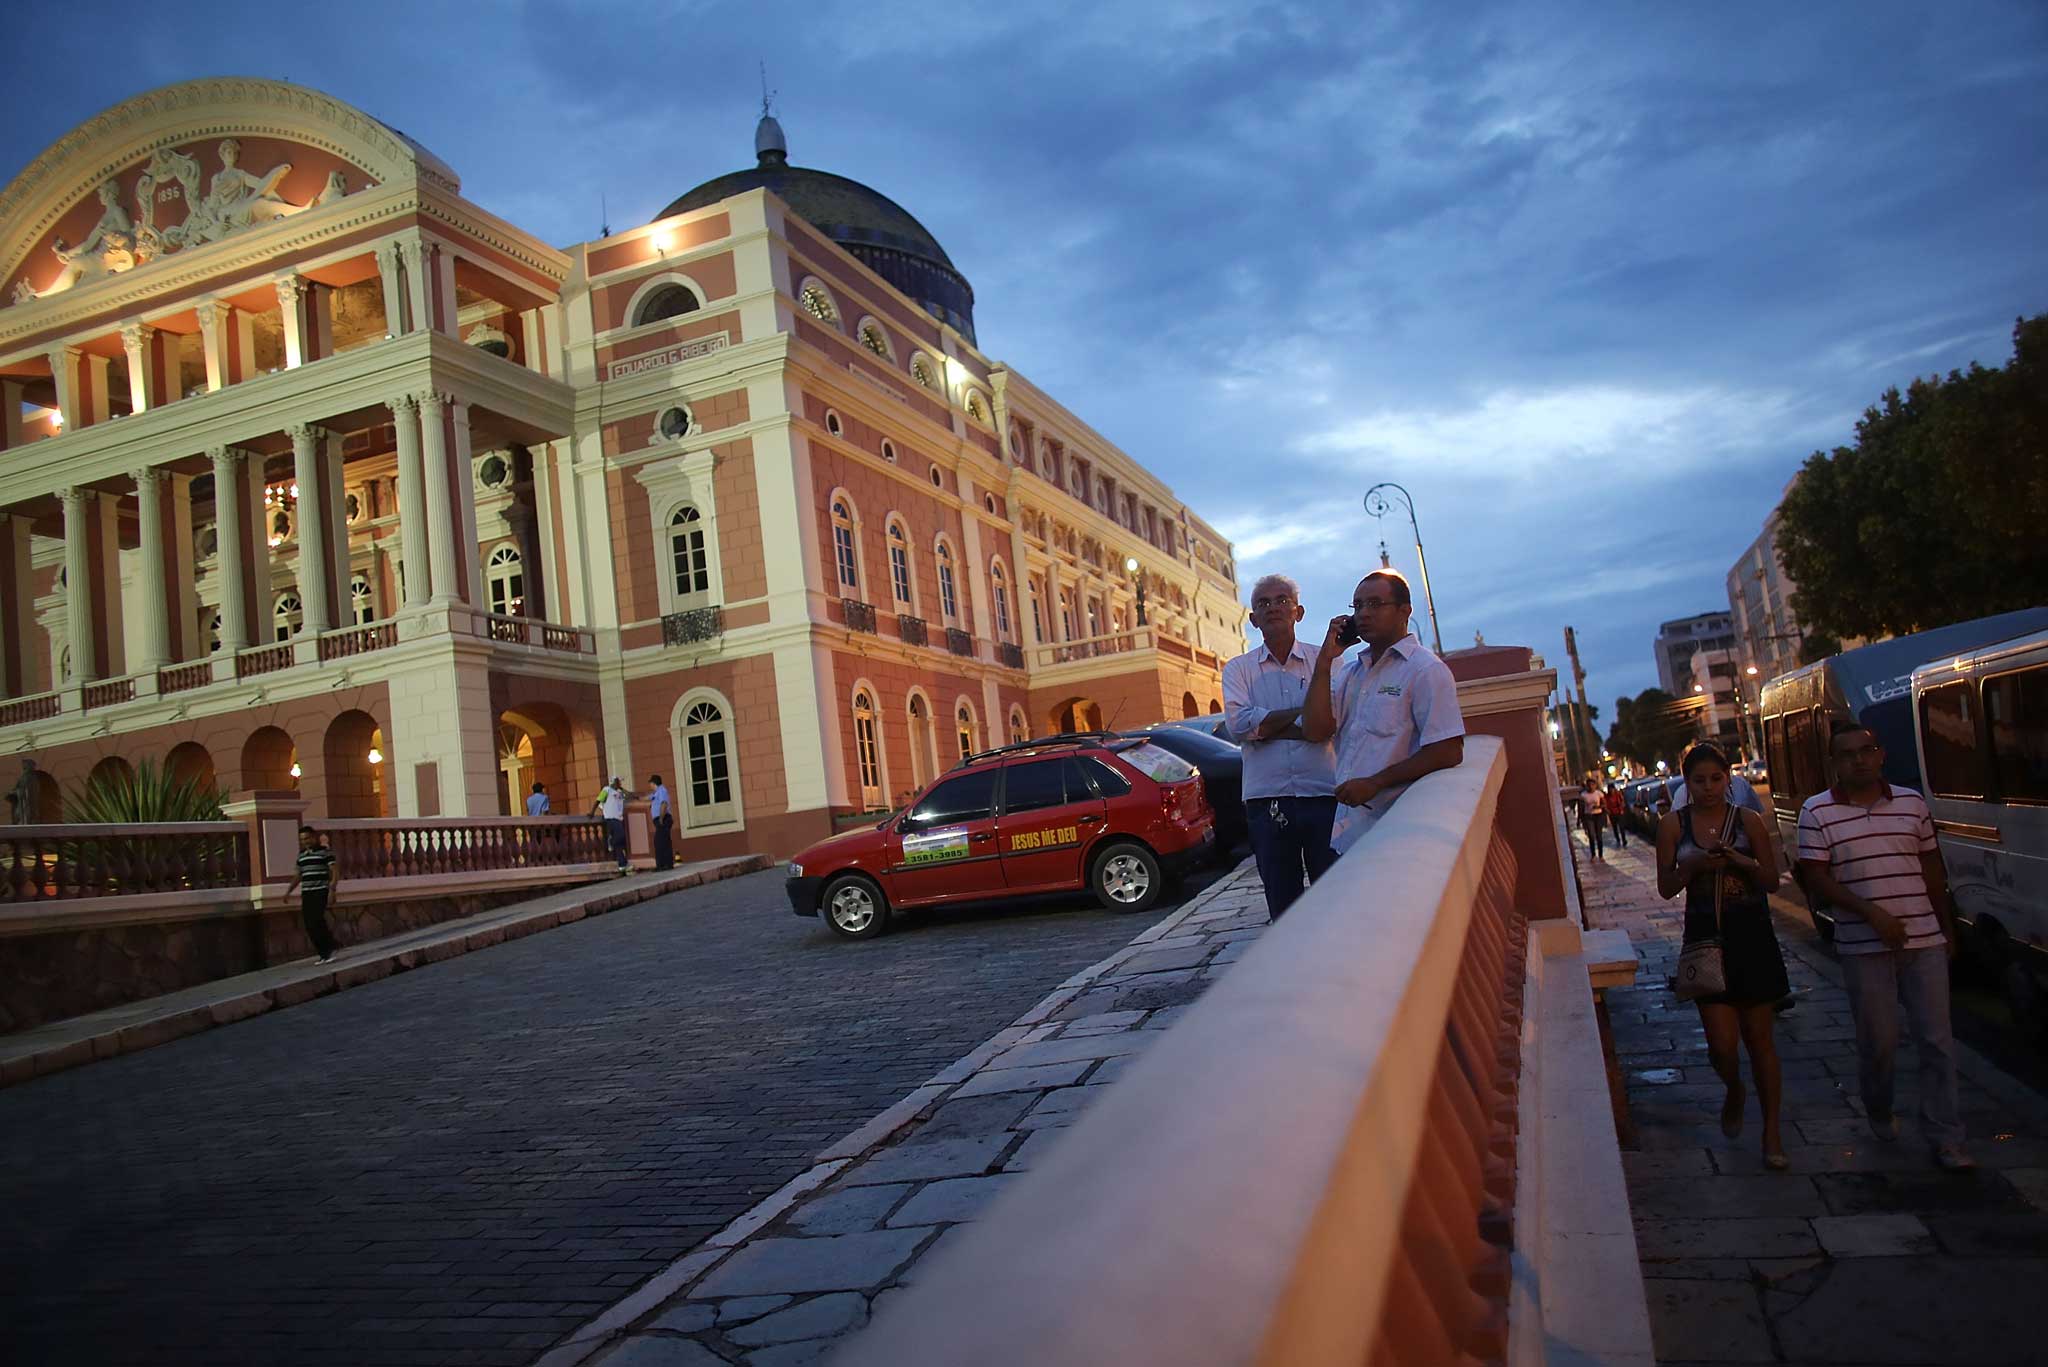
(1571, 648)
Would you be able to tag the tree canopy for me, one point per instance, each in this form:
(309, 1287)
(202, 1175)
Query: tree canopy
(1651, 726)
(1935, 514)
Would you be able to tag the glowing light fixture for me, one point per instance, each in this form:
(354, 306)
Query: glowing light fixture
(1751, 671)
(295, 768)
(56, 420)
(663, 240)
(1555, 729)
(1130, 564)
(375, 756)
(1699, 688)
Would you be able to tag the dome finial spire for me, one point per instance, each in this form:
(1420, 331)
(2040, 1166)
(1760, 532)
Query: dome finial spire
(770, 147)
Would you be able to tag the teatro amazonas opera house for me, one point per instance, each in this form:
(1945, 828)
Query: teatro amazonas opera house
(320, 477)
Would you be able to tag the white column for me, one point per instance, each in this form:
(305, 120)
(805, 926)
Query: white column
(412, 519)
(291, 295)
(468, 588)
(77, 584)
(156, 627)
(139, 341)
(394, 289)
(417, 287)
(99, 404)
(315, 576)
(440, 503)
(64, 371)
(215, 337)
(229, 511)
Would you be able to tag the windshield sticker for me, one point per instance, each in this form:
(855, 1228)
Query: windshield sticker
(935, 847)
(1888, 689)
(1051, 839)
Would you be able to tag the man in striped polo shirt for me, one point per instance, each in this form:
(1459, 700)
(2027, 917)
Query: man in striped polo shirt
(315, 878)
(1867, 848)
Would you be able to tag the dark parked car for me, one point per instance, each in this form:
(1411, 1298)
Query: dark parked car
(1221, 765)
(1209, 724)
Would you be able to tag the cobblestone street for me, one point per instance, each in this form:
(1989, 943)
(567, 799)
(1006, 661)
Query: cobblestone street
(1863, 1252)
(461, 1164)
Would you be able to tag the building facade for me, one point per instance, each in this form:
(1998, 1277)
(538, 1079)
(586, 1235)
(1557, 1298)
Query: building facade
(1677, 640)
(319, 476)
(1715, 679)
(1760, 602)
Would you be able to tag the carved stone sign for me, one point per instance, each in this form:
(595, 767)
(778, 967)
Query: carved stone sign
(675, 355)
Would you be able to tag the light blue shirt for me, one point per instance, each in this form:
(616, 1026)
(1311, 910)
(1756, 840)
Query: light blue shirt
(1386, 710)
(1257, 684)
(657, 802)
(536, 804)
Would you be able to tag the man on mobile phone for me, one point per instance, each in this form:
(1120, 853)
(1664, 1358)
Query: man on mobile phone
(1392, 709)
(1289, 783)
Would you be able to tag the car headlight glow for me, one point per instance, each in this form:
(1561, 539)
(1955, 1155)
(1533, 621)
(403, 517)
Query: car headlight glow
(796, 870)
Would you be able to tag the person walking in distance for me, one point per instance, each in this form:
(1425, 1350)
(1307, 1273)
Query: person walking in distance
(611, 805)
(662, 814)
(1616, 810)
(1392, 709)
(315, 881)
(1289, 782)
(1720, 856)
(1593, 818)
(1868, 849)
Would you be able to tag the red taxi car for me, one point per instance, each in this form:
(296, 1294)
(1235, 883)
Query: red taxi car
(1117, 816)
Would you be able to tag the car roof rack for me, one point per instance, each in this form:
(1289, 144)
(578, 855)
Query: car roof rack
(1074, 738)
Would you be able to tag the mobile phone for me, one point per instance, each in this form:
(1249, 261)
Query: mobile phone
(1348, 634)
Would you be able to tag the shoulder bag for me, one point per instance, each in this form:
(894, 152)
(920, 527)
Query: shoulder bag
(1702, 970)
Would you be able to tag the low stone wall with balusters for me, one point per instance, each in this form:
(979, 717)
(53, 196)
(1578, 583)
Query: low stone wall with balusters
(97, 916)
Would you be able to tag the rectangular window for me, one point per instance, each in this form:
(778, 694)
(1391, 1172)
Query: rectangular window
(1802, 759)
(1949, 740)
(969, 797)
(842, 548)
(899, 573)
(2016, 714)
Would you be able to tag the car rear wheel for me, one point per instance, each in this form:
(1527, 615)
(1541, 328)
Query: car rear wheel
(855, 908)
(1127, 877)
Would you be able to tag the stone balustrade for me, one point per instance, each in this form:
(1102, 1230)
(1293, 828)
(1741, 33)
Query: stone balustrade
(42, 863)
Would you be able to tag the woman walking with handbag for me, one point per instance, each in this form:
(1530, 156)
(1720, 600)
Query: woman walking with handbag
(1721, 857)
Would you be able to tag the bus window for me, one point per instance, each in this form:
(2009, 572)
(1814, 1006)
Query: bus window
(1949, 741)
(1802, 770)
(1774, 752)
(2016, 712)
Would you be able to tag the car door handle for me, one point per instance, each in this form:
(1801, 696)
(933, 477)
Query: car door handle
(980, 836)
(1088, 821)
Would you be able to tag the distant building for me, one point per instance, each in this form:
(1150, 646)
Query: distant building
(1714, 676)
(1760, 600)
(1677, 640)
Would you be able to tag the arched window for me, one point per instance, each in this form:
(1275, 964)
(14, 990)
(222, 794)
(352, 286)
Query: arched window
(362, 607)
(1094, 616)
(1067, 613)
(817, 302)
(977, 407)
(1020, 730)
(1037, 615)
(949, 597)
(923, 753)
(506, 576)
(873, 338)
(1001, 597)
(963, 724)
(866, 751)
(287, 616)
(899, 564)
(687, 559)
(668, 301)
(842, 547)
(211, 618)
(707, 750)
(921, 371)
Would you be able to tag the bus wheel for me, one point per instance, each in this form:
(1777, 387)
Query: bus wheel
(2024, 997)
(1986, 952)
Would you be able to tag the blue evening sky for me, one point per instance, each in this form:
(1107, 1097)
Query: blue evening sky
(1589, 280)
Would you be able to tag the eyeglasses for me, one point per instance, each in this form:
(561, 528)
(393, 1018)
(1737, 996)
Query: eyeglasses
(1280, 602)
(1374, 604)
(1858, 753)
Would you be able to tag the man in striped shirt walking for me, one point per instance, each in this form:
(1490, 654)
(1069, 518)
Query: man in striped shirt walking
(315, 879)
(1868, 849)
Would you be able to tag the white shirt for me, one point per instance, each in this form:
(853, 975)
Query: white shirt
(1874, 852)
(536, 804)
(1257, 684)
(657, 802)
(1386, 710)
(614, 804)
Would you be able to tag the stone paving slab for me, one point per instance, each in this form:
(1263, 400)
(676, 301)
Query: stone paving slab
(145, 1024)
(1862, 1252)
(928, 1166)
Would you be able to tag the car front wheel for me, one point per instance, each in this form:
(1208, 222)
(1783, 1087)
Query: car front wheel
(1127, 877)
(855, 908)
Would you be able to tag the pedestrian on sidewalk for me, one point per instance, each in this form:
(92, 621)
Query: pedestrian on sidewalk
(1867, 848)
(1616, 810)
(1392, 709)
(1593, 818)
(1289, 782)
(611, 805)
(315, 879)
(661, 813)
(1720, 856)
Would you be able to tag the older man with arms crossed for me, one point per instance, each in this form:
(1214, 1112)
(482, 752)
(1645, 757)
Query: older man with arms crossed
(1392, 708)
(1868, 849)
(1289, 784)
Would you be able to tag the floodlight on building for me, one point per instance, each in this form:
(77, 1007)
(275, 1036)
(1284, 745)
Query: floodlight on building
(295, 768)
(375, 756)
(1751, 671)
(663, 240)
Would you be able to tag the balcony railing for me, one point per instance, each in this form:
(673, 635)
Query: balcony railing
(108, 692)
(130, 859)
(960, 642)
(912, 629)
(859, 616)
(36, 708)
(263, 660)
(695, 624)
(178, 678)
(336, 645)
(573, 640)
(522, 631)
(1009, 653)
(425, 847)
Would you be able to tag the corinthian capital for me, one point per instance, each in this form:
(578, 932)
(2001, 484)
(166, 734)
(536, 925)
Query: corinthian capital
(146, 478)
(134, 335)
(404, 406)
(290, 290)
(431, 398)
(304, 432)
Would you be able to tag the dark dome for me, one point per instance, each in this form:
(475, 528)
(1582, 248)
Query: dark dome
(871, 226)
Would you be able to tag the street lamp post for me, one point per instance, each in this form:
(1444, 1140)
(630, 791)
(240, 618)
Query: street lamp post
(1137, 573)
(1377, 503)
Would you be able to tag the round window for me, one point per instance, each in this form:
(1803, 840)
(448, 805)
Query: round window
(889, 451)
(937, 479)
(493, 472)
(832, 423)
(674, 423)
(353, 506)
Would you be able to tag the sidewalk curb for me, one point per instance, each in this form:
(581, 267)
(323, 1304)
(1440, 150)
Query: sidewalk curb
(598, 1333)
(416, 949)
